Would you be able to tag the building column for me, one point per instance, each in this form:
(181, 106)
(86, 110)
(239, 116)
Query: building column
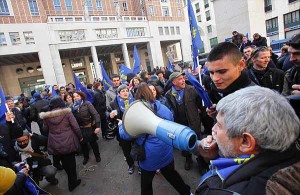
(155, 54)
(186, 50)
(96, 63)
(125, 55)
(57, 66)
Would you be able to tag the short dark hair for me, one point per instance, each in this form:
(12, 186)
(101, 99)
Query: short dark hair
(56, 102)
(62, 87)
(295, 42)
(82, 95)
(144, 93)
(115, 76)
(225, 49)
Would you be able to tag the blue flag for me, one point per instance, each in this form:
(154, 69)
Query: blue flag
(79, 87)
(200, 90)
(136, 61)
(107, 83)
(170, 67)
(124, 71)
(53, 92)
(195, 34)
(2, 108)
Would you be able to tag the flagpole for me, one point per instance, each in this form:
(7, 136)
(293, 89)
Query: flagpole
(199, 73)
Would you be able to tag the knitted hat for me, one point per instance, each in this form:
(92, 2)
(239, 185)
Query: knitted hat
(36, 95)
(123, 86)
(7, 178)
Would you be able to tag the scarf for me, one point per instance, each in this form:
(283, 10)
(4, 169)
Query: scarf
(24, 152)
(124, 104)
(178, 95)
(223, 167)
(76, 105)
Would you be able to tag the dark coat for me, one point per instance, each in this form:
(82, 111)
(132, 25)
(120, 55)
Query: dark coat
(273, 78)
(237, 40)
(8, 132)
(36, 108)
(192, 104)
(252, 177)
(216, 95)
(17, 188)
(64, 132)
(292, 76)
(87, 114)
(100, 102)
(243, 45)
(261, 41)
(281, 60)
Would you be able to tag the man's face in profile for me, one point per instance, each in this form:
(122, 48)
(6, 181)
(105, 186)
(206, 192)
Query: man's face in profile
(295, 56)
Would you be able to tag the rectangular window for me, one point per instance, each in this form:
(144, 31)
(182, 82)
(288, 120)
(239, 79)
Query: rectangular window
(268, 5)
(177, 30)
(291, 1)
(69, 5)
(213, 42)
(2, 39)
(165, 11)
(57, 6)
(207, 14)
(151, 10)
(206, 4)
(29, 39)
(125, 7)
(71, 35)
(197, 7)
(209, 29)
(33, 7)
(292, 19)
(160, 31)
(167, 32)
(164, 1)
(89, 5)
(109, 33)
(4, 11)
(99, 6)
(199, 18)
(179, 12)
(172, 30)
(135, 32)
(272, 25)
(178, 1)
(15, 38)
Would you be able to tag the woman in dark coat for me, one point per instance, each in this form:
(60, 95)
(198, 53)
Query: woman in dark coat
(89, 123)
(64, 137)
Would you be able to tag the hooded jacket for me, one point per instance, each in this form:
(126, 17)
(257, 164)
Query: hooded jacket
(64, 131)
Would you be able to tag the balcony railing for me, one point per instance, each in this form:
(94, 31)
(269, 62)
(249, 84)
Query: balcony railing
(63, 19)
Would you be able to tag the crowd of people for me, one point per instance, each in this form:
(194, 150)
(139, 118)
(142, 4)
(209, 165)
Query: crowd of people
(251, 120)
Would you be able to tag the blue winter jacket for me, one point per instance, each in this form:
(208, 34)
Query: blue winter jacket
(158, 153)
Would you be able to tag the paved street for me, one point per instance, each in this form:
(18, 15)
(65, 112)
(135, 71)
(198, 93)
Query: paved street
(110, 176)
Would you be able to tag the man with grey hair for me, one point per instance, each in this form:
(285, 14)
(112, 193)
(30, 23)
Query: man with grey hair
(255, 132)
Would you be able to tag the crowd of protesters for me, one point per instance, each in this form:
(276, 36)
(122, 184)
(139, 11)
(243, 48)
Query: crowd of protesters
(69, 123)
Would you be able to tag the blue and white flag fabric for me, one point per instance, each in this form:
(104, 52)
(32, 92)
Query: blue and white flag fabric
(124, 71)
(195, 34)
(200, 90)
(53, 92)
(107, 83)
(170, 67)
(79, 87)
(136, 62)
(2, 108)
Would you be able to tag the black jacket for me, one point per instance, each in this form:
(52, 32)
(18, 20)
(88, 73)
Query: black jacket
(100, 102)
(36, 108)
(261, 41)
(216, 95)
(292, 76)
(252, 177)
(272, 78)
(87, 114)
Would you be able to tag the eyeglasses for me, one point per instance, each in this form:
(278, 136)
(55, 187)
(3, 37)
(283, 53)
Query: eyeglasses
(257, 50)
(22, 141)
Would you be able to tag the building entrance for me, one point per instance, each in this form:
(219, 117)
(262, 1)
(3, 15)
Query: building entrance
(29, 84)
